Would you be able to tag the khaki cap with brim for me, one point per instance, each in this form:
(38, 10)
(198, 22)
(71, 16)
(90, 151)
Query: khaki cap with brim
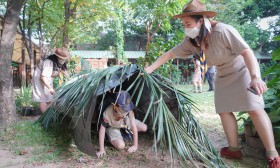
(62, 53)
(195, 7)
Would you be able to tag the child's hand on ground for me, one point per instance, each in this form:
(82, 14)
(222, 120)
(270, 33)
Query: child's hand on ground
(132, 149)
(100, 154)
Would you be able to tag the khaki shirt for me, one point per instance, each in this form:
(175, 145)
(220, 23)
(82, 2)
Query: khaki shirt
(110, 118)
(225, 46)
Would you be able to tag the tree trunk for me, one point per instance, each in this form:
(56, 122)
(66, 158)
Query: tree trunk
(119, 35)
(151, 34)
(41, 41)
(69, 12)
(11, 20)
(148, 39)
(23, 70)
(27, 41)
(29, 47)
(66, 22)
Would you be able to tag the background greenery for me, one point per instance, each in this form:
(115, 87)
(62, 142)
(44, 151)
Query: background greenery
(134, 24)
(272, 96)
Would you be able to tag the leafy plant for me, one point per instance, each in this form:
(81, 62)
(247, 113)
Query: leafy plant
(271, 71)
(176, 74)
(272, 96)
(59, 80)
(24, 101)
(75, 61)
(264, 67)
(242, 119)
(156, 49)
(24, 98)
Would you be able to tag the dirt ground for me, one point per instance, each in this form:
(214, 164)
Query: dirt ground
(144, 157)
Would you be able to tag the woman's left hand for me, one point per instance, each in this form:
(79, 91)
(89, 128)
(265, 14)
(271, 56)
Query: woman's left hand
(258, 85)
(132, 149)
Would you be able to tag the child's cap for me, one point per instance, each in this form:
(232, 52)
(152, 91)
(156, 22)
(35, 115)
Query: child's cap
(124, 101)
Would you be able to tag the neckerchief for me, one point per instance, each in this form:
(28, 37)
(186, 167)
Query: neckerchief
(118, 116)
(203, 65)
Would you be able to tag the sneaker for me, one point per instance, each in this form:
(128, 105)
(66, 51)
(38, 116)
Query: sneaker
(226, 153)
(274, 162)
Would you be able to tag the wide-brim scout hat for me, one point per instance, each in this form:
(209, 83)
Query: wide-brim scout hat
(62, 53)
(124, 101)
(195, 7)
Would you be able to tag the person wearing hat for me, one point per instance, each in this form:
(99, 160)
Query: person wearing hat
(119, 115)
(45, 72)
(237, 71)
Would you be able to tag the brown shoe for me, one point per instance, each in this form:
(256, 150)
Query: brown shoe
(226, 153)
(274, 162)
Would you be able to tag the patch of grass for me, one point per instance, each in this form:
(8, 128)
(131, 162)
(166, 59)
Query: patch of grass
(235, 164)
(204, 100)
(25, 138)
(242, 118)
(207, 115)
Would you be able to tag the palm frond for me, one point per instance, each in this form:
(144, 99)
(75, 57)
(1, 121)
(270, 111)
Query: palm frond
(84, 98)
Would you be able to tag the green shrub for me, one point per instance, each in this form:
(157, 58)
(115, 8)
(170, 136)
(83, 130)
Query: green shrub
(156, 49)
(264, 67)
(272, 96)
(271, 72)
(24, 98)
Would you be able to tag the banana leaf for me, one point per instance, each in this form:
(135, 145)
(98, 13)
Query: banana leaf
(166, 110)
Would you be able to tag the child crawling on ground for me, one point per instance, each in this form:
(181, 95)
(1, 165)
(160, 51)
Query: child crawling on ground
(119, 115)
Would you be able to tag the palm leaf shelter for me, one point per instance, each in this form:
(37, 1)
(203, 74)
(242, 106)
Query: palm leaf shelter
(166, 110)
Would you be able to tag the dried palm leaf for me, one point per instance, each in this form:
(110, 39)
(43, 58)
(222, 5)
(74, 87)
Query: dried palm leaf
(84, 98)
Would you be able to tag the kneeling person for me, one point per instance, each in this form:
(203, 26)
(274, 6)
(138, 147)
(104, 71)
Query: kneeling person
(119, 116)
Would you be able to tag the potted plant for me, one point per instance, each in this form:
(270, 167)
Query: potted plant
(24, 102)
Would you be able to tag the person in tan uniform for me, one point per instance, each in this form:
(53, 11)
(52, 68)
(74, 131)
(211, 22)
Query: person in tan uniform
(237, 70)
(117, 116)
(45, 72)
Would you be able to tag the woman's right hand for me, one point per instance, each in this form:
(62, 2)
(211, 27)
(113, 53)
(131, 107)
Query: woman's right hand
(101, 153)
(258, 85)
(51, 91)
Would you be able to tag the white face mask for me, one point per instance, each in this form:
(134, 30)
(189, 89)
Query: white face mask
(61, 61)
(192, 32)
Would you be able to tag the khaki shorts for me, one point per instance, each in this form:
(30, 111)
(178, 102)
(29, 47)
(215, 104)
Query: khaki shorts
(115, 133)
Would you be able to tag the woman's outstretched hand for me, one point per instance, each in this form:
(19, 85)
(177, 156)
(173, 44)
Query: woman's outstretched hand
(149, 70)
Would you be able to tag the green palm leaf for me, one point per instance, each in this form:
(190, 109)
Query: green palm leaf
(84, 98)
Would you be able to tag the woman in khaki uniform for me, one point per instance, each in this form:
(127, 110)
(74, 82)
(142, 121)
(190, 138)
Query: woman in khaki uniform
(237, 70)
(46, 71)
